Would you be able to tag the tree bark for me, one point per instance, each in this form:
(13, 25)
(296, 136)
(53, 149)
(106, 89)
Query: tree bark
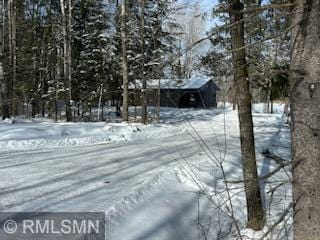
(251, 181)
(3, 81)
(125, 73)
(69, 57)
(11, 9)
(158, 96)
(14, 57)
(305, 113)
(4, 96)
(144, 117)
(10, 76)
(66, 25)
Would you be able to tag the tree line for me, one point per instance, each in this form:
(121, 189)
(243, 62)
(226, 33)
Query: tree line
(72, 54)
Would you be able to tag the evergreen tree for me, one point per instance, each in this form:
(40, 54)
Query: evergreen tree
(92, 50)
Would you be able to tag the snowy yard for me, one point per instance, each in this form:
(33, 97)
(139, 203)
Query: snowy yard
(161, 181)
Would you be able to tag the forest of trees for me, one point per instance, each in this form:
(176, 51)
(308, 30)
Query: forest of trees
(67, 54)
(73, 56)
(76, 55)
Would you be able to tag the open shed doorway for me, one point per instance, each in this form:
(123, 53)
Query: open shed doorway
(190, 100)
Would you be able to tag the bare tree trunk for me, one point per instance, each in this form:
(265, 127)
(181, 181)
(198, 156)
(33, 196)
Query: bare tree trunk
(269, 98)
(69, 60)
(58, 75)
(12, 53)
(157, 55)
(14, 58)
(125, 74)
(135, 100)
(66, 25)
(99, 103)
(251, 181)
(271, 104)
(305, 112)
(158, 100)
(4, 97)
(232, 94)
(3, 81)
(144, 117)
(10, 48)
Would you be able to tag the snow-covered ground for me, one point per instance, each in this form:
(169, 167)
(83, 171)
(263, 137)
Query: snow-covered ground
(161, 181)
(26, 134)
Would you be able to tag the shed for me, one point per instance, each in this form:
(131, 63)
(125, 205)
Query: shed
(196, 92)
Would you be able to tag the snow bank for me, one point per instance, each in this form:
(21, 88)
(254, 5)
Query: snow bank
(21, 134)
(35, 135)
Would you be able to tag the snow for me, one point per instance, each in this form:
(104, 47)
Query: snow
(163, 181)
(192, 83)
(259, 108)
(36, 135)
